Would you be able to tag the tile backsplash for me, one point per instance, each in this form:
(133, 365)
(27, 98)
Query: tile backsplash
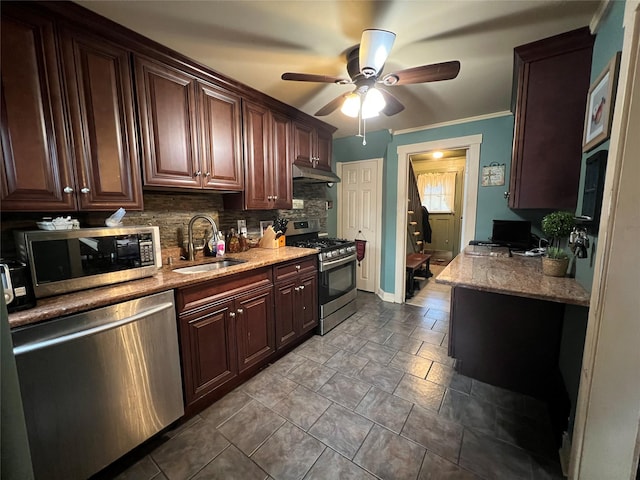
(171, 211)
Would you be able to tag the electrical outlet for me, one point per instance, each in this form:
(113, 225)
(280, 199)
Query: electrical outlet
(298, 204)
(242, 226)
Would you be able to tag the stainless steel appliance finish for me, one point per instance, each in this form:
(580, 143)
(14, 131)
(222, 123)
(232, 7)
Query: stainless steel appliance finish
(337, 271)
(97, 384)
(304, 174)
(64, 261)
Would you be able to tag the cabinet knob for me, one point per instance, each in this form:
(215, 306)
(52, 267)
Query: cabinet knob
(67, 190)
(207, 174)
(297, 289)
(240, 311)
(275, 197)
(84, 190)
(507, 195)
(269, 197)
(232, 314)
(197, 174)
(301, 287)
(297, 267)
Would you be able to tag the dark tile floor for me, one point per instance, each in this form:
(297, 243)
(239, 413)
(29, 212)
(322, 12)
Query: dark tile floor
(377, 397)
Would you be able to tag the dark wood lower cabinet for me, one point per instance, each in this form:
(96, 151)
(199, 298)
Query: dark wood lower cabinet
(511, 342)
(232, 327)
(296, 300)
(254, 327)
(209, 353)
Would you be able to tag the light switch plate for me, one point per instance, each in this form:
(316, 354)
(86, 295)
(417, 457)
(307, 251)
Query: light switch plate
(298, 204)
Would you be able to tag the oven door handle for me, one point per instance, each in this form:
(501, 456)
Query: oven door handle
(325, 266)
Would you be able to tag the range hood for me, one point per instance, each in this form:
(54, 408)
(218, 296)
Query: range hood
(313, 175)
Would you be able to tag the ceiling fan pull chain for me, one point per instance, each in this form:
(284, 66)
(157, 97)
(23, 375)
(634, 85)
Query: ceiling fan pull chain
(364, 131)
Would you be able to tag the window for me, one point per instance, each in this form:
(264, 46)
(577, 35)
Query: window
(437, 191)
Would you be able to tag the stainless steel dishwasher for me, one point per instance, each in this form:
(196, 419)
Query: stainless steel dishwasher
(97, 384)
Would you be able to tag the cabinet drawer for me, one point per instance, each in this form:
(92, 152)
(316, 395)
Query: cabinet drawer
(225, 288)
(286, 271)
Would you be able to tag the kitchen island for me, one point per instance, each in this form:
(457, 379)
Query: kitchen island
(506, 321)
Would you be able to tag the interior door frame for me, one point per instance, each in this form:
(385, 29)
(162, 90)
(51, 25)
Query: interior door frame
(470, 143)
(378, 251)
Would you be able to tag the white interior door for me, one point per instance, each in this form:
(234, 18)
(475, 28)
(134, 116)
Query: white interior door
(359, 210)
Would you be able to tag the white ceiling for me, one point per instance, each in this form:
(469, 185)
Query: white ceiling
(254, 42)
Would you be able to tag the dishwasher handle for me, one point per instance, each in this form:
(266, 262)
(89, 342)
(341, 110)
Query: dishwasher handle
(50, 342)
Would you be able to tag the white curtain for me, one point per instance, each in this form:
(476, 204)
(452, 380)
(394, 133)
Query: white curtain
(437, 191)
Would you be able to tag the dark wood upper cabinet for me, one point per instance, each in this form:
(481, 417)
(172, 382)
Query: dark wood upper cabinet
(221, 145)
(191, 130)
(311, 146)
(167, 106)
(551, 80)
(100, 93)
(267, 150)
(36, 164)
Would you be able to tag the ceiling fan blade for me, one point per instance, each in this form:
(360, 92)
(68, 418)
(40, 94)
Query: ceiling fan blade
(393, 105)
(425, 73)
(332, 105)
(309, 77)
(375, 47)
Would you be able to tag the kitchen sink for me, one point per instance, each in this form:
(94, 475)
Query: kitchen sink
(209, 267)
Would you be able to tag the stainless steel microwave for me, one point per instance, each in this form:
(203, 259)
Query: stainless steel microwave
(64, 261)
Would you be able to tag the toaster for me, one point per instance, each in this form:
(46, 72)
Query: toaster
(16, 284)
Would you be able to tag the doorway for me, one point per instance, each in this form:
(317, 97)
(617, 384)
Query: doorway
(360, 215)
(469, 200)
(440, 179)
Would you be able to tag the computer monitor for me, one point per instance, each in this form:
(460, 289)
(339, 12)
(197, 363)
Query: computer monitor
(515, 234)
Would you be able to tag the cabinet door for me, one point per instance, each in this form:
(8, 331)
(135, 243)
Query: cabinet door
(100, 92)
(324, 149)
(308, 297)
(221, 143)
(166, 103)
(285, 313)
(36, 166)
(553, 80)
(209, 355)
(281, 162)
(303, 143)
(255, 327)
(256, 151)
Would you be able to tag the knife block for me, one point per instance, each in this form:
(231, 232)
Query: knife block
(269, 239)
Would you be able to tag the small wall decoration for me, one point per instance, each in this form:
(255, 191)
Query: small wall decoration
(493, 175)
(600, 100)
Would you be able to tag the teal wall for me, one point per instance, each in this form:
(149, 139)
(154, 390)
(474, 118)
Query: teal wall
(608, 41)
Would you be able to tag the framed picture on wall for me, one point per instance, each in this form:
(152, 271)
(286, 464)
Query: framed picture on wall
(600, 101)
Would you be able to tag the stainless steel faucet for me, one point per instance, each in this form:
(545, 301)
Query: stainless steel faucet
(190, 248)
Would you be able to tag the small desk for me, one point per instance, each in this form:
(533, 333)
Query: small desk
(415, 261)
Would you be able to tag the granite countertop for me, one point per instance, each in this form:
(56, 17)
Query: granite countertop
(520, 276)
(165, 279)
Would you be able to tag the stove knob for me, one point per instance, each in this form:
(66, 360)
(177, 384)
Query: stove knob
(343, 251)
(329, 254)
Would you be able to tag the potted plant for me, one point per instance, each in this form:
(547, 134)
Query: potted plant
(556, 226)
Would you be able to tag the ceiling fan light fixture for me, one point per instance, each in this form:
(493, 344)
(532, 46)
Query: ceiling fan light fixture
(351, 105)
(375, 47)
(373, 103)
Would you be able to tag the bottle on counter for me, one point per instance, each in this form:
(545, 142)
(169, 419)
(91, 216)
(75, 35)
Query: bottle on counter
(233, 245)
(220, 247)
(244, 245)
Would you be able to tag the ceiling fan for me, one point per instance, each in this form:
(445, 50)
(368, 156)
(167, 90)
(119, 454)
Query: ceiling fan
(365, 63)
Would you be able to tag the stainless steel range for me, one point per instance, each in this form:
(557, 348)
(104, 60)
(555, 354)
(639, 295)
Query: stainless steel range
(337, 271)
